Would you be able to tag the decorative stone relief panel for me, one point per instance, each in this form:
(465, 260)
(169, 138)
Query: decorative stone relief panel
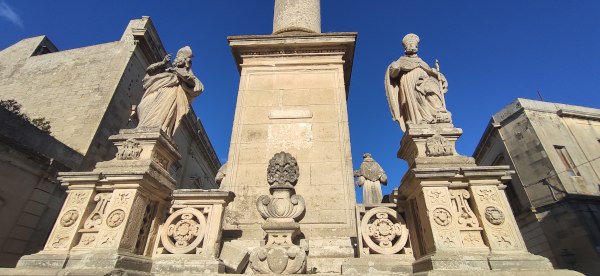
(129, 150)
(69, 221)
(144, 237)
(460, 207)
(94, 221)
(466, 220)
(383, 231)
(186, 230)
(492, 207)
(183, 232)
(437, 145)
(437, 196)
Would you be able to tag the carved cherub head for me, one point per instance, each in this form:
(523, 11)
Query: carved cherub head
(367, 157)
(184, 58)
(411, 44)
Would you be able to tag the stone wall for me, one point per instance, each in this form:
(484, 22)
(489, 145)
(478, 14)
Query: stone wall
(30, 194)
(72, 89)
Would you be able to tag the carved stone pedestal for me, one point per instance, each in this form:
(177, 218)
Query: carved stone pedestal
(460, 221)
(108, 220)
(430, 146)
(189, 239)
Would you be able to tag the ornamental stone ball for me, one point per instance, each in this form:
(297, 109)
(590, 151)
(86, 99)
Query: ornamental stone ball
(370, 176)
(415, 91)
(168, 92)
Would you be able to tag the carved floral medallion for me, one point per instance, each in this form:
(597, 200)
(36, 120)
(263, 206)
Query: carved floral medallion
(183, 231)
(115, 218)
(383, 231)
(494, 215)
(441, 216)
(69, 218)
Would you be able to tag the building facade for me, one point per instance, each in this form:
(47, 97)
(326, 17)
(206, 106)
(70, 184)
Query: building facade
(555, 151)
(86, 95)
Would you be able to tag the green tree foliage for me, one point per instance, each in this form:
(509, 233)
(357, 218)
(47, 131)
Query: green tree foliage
(15, 108)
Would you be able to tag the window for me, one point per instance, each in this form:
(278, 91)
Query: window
(570, 167)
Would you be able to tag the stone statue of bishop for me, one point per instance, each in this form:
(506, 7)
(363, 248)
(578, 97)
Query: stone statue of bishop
(168, 92)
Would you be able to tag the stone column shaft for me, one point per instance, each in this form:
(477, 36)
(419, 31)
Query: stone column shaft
(297, 16)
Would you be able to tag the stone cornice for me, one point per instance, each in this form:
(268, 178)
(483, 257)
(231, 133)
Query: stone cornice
(297, 44)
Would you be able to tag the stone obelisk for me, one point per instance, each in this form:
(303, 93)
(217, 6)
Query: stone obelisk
(292, 97)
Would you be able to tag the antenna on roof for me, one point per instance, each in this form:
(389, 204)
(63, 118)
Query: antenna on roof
(540, 95)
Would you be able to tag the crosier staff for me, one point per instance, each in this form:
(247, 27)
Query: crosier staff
(439, 78)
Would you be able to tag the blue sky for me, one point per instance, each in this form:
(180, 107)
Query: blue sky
(491, 52)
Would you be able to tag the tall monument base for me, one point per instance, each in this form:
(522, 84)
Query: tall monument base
(292, 98)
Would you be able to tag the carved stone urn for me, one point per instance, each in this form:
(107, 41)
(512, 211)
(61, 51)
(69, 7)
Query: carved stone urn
(281, 211)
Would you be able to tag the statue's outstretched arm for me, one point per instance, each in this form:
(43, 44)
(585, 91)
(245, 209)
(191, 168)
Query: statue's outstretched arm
(158, 66)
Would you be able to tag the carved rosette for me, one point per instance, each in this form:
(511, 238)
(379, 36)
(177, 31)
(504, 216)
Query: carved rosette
(115, 218)
(441, 216)
(183, 231)
(494, 215)
(129, 150)
(282, 209)
(384, 231)
(69, 218)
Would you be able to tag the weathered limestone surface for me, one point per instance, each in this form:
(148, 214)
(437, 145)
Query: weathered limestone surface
(107, 220)
(458, 214)
(546, 196)
(30, 200)
(383, 242)
(86, 94)
(189, 239)
(284, 252)
(293, 99)
(297, 16)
